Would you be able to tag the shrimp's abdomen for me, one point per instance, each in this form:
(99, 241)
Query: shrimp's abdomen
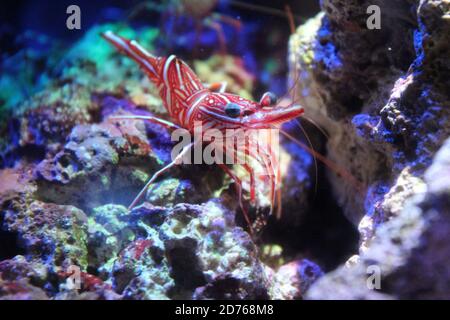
(174, 79)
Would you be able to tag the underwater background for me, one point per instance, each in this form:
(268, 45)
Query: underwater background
(373, 200)
(261, 42)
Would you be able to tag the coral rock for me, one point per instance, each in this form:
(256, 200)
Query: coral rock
(411, 251)
(221, 258)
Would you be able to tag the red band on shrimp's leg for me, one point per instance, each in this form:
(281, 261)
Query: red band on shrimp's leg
(273, 158)
(251, 172)
(238, 186)
(266, 161)
(244, 156)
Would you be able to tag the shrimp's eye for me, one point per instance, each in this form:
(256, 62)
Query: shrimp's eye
(268, 99)
(232, 110)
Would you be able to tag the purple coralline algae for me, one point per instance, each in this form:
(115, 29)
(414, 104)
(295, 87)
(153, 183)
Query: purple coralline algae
(383, 97)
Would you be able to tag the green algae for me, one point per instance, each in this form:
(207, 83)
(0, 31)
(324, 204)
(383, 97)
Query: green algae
(300, 41)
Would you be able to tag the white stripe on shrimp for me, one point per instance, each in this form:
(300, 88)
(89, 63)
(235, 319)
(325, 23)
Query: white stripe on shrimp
(166, 81)
(180, 79)
(142, 49)
(124, 45)
(192, 81)
(194, 106)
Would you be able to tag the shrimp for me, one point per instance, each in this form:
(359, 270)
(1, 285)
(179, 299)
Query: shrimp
(189, 102)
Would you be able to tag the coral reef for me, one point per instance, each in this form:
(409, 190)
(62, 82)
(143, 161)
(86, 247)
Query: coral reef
(383, 97)
(68, 170)
(221, 258)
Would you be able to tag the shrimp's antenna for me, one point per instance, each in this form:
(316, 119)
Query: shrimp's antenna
(318, 127)
(334, 167)
(316, 167)
(263, 9)
(310, 120)
(290, 16)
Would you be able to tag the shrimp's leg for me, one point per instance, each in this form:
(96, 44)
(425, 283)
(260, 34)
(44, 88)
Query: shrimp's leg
(276, 178)
(252, 182)
(165, 123)
(175, 161)
(238, 184)
(242, 156)
(265, 159)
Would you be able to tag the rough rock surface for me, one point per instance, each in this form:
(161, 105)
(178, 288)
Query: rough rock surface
(411, 250)
(383, 97)
(221, 258)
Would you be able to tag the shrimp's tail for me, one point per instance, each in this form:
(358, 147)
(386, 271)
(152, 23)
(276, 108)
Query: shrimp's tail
(148, 62)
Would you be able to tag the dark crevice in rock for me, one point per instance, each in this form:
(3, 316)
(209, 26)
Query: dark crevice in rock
(95, 113)
(324, 236)
(9, 243)
(183, 260)
(32, 153)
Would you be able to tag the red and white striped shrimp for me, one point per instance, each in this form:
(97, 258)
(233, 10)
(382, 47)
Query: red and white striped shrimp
(189, 102)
